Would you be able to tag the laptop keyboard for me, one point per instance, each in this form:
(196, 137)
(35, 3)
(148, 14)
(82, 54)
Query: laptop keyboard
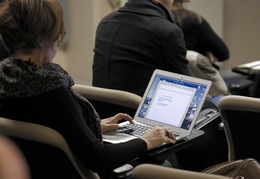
(137, 129)
(134, 129)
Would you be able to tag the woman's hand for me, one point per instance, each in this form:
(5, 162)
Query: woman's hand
(111, 123)
(157, 136)
(211, 57)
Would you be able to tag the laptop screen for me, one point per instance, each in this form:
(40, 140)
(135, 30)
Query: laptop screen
(172, 101)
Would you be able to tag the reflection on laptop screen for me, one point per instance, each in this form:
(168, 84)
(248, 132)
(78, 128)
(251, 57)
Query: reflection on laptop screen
(170, 99)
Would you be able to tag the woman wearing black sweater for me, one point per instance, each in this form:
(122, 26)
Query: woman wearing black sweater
(34, 89)
(198, 34)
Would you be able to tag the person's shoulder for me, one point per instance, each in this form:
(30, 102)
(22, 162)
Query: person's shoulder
(57, 92)
(169, 27)
(166, 29)
(61, 96)
(110, 16)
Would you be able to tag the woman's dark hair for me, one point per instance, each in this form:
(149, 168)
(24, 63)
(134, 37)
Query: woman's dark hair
(28, 24)
(182, 14)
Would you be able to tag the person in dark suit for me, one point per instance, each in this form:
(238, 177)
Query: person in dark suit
(134, 41)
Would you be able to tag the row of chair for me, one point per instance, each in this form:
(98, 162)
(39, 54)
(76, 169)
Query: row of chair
(239, 114)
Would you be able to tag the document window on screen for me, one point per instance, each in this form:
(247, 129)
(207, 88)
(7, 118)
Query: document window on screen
(170, 101)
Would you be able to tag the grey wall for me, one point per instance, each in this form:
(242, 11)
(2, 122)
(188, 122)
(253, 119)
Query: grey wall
(241, 30)
(237, 21)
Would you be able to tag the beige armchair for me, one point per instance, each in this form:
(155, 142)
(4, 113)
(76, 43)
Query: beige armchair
(109, 102)
(47, 136)
(148, 171)
(241, 119)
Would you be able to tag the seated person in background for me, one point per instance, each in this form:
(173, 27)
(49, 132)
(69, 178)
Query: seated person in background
(34, 89)
(204, 46)
(198, 34)
(134, 41)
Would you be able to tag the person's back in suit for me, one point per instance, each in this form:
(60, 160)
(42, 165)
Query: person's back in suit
(134, 41)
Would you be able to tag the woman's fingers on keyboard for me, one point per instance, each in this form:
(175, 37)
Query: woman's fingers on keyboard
(123, 116)
(157, 136)
(169, 134)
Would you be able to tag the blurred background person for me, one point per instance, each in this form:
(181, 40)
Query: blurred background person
(205, 48)
(134, 41)
(13, 164)
(198, 34)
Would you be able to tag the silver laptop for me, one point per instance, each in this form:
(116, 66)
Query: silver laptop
(170, 100)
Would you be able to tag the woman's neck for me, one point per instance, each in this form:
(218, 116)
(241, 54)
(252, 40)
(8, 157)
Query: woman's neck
(29, 58)
(37, 57)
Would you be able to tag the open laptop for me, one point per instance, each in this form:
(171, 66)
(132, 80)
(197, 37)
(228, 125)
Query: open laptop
(170, 100)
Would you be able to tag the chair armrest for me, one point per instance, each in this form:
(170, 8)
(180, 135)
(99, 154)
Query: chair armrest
(113, 96)
(148, 171)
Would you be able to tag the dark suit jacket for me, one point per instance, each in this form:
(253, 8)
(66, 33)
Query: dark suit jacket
(134, 41)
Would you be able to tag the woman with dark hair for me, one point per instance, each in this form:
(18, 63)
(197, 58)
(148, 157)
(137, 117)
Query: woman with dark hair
(198, 34)
(204, 47)
(36, 90)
